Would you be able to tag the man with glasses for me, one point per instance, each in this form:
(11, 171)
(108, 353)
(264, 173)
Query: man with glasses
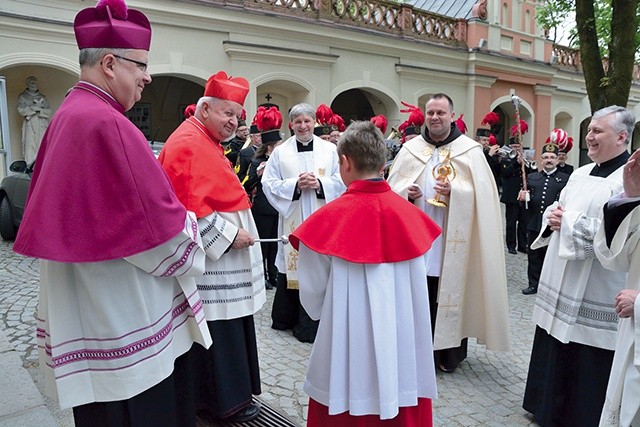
(543, 188)
(113, 321)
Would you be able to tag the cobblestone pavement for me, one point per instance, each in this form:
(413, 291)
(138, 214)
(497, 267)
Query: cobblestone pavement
(486, 390)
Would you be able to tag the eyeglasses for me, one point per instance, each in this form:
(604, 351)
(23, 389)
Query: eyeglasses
(141, 65)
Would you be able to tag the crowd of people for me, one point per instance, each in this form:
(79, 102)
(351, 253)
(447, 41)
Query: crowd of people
(150, 272)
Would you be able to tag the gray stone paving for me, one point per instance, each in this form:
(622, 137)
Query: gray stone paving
(486, 390)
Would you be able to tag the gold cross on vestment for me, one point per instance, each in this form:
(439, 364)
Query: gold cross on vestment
(447, 306)
(455, 242)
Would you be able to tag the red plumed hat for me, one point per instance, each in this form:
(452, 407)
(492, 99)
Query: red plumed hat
(323, 114)
(416, 116)
(560, 138)
(268, 122)
(568, 146)
(337, 121)
(413, 124)
(381, 122)
(189, 111)
(460, 124)
(524, 128)
(492, 140)
(490, 119)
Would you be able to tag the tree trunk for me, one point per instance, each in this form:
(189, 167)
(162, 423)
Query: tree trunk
(613, 86)
(624, 26)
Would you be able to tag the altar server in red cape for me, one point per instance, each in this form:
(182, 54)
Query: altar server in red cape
(113, 319)
(372, 360)
(232, 287)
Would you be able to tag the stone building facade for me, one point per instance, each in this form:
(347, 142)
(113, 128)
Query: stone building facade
(361, 57)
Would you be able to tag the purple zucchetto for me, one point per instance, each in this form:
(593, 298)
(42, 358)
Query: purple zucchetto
(111, 25)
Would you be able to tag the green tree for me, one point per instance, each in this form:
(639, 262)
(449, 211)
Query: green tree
(607, 35)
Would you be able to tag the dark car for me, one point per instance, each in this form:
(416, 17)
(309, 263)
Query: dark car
(13, 195)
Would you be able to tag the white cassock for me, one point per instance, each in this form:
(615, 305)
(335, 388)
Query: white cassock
(373, 370)
(622, 402)
(119, 324)
(279, 183)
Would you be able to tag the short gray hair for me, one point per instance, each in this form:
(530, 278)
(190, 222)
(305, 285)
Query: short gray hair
(208, 100)
(302, 110)
(623, 120)
(91, 55)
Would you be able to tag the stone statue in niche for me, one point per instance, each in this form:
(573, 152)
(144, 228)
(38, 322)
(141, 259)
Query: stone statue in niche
(35, 109)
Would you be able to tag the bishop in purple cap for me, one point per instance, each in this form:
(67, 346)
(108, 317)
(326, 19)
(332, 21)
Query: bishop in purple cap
(113, 239)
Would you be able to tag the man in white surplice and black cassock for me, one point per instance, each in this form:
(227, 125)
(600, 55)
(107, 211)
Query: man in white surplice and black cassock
(300, 176)
(576, 322)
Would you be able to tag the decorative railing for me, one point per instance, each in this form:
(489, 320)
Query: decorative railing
(566, 57)
(563, 56)
(371, 15)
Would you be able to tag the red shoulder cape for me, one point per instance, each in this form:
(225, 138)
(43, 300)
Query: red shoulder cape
(202, 177)
(368, 224)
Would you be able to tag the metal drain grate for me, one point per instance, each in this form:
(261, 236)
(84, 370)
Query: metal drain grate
(268, 418)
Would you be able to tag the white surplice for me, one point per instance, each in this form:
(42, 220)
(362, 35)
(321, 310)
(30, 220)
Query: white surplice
(367, 370)
(575, 294)
(622, 402)
(279, 183)
(120, 324)
(232, 285)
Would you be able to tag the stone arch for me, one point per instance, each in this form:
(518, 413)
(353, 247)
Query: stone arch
(380, 98)
(282, 89)
(165, 99)
(507, 109)
(39, 59)
(564, 120)
(579, 143)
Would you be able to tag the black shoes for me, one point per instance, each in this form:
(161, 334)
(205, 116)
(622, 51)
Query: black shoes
(447, 369)
(523, 250)
(529, 291)
(243, 415)
(512, 251)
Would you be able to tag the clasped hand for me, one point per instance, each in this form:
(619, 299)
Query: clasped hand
(554, 219)
(308, 180)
